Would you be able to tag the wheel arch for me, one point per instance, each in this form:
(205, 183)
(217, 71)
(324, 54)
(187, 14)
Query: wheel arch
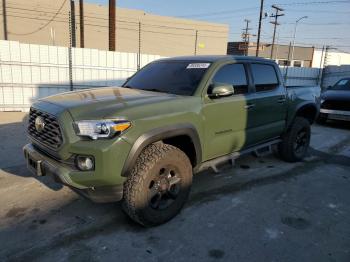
(308, 111)
(171, 135)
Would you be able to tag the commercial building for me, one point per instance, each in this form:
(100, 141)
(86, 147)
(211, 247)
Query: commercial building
(303, 56)
(136, 31)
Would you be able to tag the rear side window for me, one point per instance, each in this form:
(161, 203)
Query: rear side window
(264, 76)
(233, 74)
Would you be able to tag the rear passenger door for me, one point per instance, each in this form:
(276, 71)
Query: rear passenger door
(268, 120)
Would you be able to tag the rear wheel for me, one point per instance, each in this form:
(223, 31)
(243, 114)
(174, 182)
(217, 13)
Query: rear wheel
(296, 141)
(158, 186)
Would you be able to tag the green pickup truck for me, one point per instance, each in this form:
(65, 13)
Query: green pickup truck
(142, 142)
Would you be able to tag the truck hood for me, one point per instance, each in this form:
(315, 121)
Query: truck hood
(336, 95)
(105, 102)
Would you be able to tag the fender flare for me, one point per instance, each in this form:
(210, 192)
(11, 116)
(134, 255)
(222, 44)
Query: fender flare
(297, 108)
(158, 134)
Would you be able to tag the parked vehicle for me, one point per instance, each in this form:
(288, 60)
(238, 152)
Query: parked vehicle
(335, 102)
(141, 143)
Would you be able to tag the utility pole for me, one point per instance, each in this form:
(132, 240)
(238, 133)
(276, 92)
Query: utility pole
(324, 69)
(70, 58)
(275, 23)
(259, 30)
(246, 36)
(111, 20)
(4, 17)
(81, 17)
(72, 21)
(139, 49)
(321, 69)
(196, 43)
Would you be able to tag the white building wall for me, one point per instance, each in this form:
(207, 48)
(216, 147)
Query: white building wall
(333, 58)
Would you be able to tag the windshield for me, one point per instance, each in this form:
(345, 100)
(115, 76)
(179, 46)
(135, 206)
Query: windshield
(174, 77)
(343, 84)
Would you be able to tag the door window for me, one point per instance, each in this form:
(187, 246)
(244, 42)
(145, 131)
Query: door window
(233, 74)
(264, 76)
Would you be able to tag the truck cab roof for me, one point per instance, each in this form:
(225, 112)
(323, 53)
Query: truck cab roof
(217, 58)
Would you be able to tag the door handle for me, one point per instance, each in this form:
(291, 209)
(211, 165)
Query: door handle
(249, 106)
(281, 100)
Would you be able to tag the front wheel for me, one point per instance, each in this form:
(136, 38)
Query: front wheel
(158, 185)
(296, 141)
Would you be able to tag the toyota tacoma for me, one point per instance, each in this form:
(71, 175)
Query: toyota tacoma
(142, 142)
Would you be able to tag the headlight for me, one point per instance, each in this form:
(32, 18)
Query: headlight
(101, 128)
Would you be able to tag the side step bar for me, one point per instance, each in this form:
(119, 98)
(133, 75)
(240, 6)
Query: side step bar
(258, 150)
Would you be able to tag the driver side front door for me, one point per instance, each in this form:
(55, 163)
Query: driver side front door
(226, 118)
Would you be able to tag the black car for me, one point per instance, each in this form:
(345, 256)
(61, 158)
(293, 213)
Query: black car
(335, 102)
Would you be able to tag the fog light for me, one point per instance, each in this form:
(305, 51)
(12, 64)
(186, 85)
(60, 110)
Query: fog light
(85, 163)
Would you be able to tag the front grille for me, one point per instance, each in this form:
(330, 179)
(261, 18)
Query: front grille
(51, 135)
(336, 105)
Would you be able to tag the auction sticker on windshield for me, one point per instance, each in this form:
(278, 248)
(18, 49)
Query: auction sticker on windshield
(198, 65)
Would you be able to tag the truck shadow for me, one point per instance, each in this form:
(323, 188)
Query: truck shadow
(90, 220)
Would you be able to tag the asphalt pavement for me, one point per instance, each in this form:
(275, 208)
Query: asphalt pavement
(263, 209)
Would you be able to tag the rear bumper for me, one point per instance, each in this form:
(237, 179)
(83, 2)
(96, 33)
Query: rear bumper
(41, 165)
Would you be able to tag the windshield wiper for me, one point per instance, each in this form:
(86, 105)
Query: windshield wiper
(127, 86)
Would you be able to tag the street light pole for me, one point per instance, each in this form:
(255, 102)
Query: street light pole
(294, 35)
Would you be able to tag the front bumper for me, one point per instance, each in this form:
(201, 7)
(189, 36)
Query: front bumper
(335, 114)
(94, 185)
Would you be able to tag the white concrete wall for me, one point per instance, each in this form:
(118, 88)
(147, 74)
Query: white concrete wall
(299, 76)
(29, 71)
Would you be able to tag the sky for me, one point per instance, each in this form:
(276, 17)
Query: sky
(327, 22)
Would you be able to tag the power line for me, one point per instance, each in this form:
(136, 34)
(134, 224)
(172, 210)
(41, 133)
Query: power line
(318, 24)
(218, 12)
(316, 2)
(132, 29)
(172, 22)
(318, 11)
(125, 21)
(45, 25)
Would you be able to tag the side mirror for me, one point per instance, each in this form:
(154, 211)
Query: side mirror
(328, 87)
(220, 90)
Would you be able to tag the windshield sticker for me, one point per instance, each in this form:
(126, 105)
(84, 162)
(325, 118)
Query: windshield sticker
(343, 82)
(198, 65)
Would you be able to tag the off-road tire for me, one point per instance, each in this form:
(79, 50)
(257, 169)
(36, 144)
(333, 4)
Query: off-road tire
(136, 195)
(286, 148)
